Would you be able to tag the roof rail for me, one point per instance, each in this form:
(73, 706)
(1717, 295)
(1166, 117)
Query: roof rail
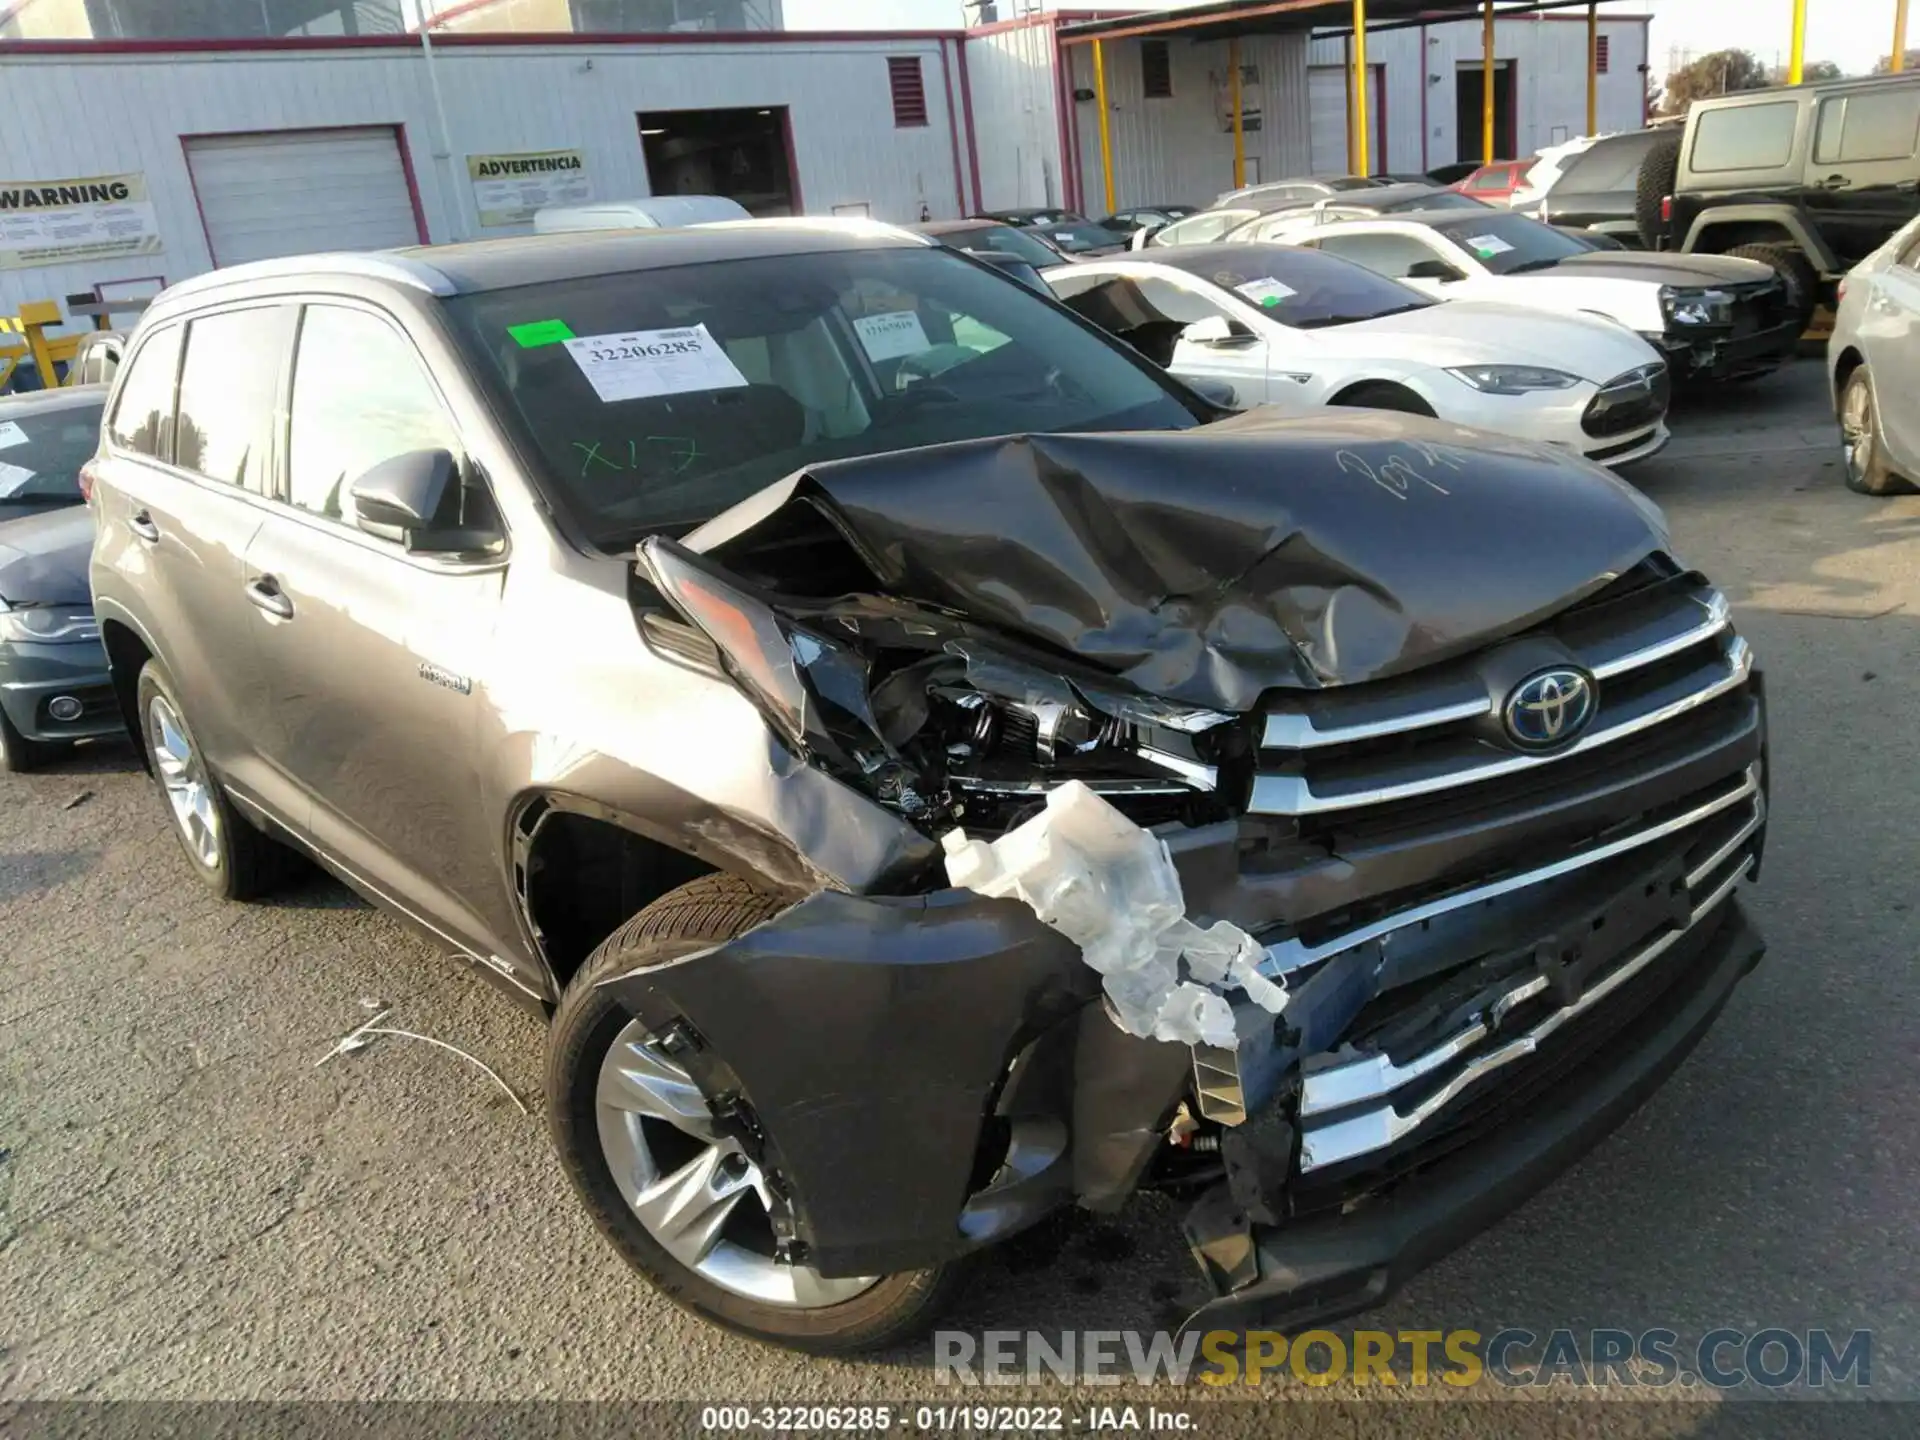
(371, 265)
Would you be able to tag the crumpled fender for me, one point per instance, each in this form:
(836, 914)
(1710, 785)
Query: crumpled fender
(874, 1038)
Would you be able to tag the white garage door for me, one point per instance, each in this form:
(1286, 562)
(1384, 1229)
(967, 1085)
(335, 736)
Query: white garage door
(296, 191)
(1327, 118)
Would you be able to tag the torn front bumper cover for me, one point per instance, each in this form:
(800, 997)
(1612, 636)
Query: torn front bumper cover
(1349, 1257)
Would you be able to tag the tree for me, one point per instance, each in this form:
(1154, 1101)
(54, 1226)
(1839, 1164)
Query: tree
(1884, 66)
(1813, 70)
(1719, 73)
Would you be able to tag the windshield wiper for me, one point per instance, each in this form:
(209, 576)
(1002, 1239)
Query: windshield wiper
(1320, 322)
(1526, 265)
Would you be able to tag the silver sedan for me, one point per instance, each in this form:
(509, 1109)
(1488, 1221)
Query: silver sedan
(1875, 352)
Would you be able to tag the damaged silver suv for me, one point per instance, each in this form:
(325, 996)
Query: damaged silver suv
(934, 768)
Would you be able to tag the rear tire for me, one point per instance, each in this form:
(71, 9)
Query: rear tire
(1658, 169)
(1864, 453)
(1383, 395)
(231, 857)
(18, 754)
(1794, 269)
(592, 1030)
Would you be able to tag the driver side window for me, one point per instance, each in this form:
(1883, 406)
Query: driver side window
(360, 397)
(1145, 311)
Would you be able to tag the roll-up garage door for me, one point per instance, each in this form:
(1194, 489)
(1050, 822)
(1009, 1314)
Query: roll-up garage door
(290, 192)
(1327, 118)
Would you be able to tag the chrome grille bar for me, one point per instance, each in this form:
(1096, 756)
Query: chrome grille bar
(1343, 1140)
(1295, 795)
(1292, 730)
(1286, 956)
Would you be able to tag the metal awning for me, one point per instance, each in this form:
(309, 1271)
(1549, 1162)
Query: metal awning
(1231, 19)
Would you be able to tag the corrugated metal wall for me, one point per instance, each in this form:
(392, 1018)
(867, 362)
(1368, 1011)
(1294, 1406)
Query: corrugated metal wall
(1016, 116)
(1551, 58)
(75, 115)
(1179, 149)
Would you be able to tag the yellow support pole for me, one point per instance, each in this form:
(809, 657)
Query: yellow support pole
(1486, 85)
(1106, 137)
(1365, 165)
(1239, 135)
(1796, 60)
(1899, 36)
(1593, 68)
(1352, 156)
(35, 316)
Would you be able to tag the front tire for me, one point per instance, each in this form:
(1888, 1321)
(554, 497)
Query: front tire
(231, 857)
(685, 1204)
(1863, 451)
(1796, 272)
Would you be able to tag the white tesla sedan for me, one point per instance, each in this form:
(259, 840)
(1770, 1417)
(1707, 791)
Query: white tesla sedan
(1874, 359)
(1298, 329)
(1711, 317)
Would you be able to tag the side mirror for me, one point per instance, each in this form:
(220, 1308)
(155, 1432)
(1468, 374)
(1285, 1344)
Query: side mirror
(1143, 237)
(406, 498)
(1434, 270)
(1217, 331)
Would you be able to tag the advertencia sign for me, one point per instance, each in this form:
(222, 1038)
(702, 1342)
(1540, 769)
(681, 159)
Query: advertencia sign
(507, 189)
(57, 222)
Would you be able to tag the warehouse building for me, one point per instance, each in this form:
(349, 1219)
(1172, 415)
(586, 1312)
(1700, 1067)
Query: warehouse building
(147, 142)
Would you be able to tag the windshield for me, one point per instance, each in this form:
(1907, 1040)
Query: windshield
(1301, 289)
(1438, 200)
(41, 452)
(658, 398)
(1510, 244)
(1005, 240)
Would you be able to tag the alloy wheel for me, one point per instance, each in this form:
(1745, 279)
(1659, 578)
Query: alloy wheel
(697, 1192)
(189, 791)
(1856, 431)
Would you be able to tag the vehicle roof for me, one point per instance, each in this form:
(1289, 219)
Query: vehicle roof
(958, 227)
(1382, 195)
(1788, 92)
(478, 265)
(45, 402)
(1026, 210)
(1196, 258)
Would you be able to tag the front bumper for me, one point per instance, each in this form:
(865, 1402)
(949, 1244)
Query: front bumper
(32, 677)
(1337, 1264)
(1724, 355)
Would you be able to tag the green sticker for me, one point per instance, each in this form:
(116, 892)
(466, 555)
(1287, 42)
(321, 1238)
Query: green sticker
(540, 332)
(1272, 300)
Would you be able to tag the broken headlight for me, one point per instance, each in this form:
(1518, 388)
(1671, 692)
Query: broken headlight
(914, 708)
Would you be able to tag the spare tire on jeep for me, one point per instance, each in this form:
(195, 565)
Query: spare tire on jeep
(1658, 168)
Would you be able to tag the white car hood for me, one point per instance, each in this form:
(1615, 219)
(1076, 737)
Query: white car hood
(1473, 332)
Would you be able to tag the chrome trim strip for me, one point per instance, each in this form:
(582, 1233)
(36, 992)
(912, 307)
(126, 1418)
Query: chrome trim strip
(1286, 956)
(1293, 731)
(1294, 795)
(1348, 1139)
(1719, 616)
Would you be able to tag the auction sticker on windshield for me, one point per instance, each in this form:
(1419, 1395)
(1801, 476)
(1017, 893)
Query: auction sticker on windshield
(1265, 292)
(12, 477)
(890, 336)
(11, 435)
(1487, 246)
(644, 364)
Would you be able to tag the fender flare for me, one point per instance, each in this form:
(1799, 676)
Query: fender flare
(1790, 218)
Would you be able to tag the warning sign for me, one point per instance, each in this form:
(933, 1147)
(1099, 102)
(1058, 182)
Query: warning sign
(58, 222)
(507, 189)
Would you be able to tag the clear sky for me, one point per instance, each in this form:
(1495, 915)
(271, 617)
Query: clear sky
(1853, 33)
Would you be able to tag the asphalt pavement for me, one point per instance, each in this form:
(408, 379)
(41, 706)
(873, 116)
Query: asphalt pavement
(192, 1207)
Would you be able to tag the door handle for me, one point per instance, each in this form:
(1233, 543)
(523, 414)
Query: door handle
(141, 524)
(265, 593)
(1836, 182)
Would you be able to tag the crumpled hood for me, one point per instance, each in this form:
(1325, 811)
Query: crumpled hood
(43, 558)
(1682, 271)
(1486, 332)
(1211, 564)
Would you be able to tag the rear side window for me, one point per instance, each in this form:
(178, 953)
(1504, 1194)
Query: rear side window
(143, 414)
(1746, 137)
(228, 383)
(360, 397)
(1868, 127)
